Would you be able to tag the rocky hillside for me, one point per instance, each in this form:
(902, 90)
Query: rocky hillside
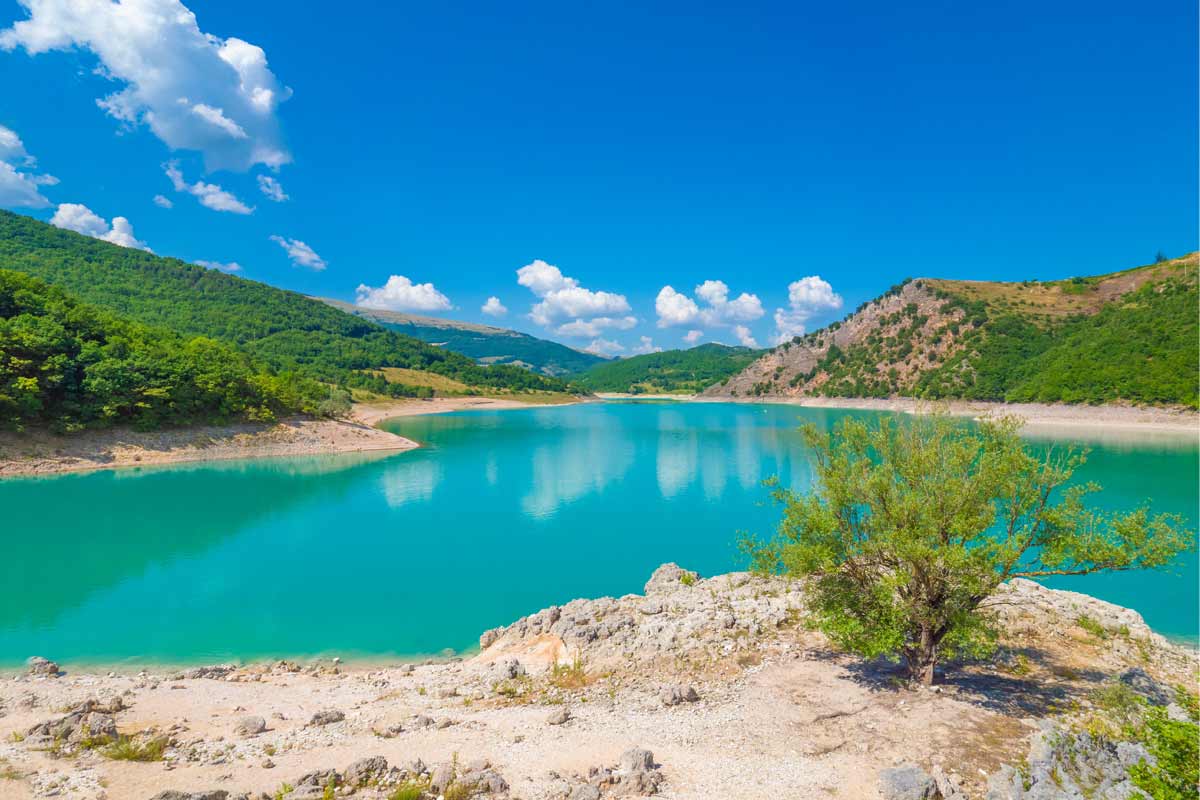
(1126, 337)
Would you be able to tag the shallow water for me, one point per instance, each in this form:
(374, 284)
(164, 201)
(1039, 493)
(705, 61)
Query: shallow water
(501, 514)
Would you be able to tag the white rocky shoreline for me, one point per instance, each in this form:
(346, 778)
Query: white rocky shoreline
(698, 688)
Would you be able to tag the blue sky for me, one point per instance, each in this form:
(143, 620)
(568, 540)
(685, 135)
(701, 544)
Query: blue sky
(773, 164)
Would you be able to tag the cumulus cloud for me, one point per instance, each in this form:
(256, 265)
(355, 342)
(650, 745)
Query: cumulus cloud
(300, 253)
(272, 188)
(163, 202)
(693, 336)
(567, 307)
(494, 308)
(715, 309)
(401, 294)
(18, 185)
(744, 336)
(232, 266)
(807, 298)
(81, 219)
(604, 347)
(194, 90)
(209, 194)
(588, 328)
(645, 345)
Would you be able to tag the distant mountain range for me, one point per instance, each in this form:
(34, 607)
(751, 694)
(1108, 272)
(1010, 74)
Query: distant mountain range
(1124, 337)
(484, 343)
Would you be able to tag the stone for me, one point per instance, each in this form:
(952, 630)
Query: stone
(507, 669)
(559, 716)
(366, 771)
(250, 726)
(678, 693)
(214, 672)
(327, 717)
(636, 759)
(43, 667)
(171, 794)
(668, 578)
(585, 792)
(441, 777)
(907, 782)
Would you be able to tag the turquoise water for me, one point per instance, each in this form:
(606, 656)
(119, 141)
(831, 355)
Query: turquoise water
(503, 513)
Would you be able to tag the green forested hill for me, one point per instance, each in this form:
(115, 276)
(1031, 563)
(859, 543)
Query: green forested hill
(283, 329)
(68, 364)
(484, 343)
(1125, 337)
(670, 371)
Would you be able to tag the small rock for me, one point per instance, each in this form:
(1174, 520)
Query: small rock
(43, 666)
(907, 782)
(558, 716)
(636, 759)
(678, 693)
(327, 717)
(268, 764)
(250, 726)
(585, 792)
(366, 771)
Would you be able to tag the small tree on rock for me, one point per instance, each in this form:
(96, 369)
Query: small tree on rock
(910, 527)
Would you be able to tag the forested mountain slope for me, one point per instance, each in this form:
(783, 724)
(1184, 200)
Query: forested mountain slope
(283, 329)
(69, 365)
(670, 371)
(484, 343)
(1125, 337)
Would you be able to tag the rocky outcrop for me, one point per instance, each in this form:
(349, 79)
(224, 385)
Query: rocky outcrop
(680, 612)
(635, 775)
(1066, 765)
(42, 667)
(87, 725)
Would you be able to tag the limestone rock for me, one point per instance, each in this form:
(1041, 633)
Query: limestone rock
(43, 667)
(250, 726)
(907, 782)
(559, 716)
(674, 695)
(327, 717)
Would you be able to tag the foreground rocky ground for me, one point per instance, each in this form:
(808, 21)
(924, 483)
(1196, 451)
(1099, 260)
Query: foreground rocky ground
(700, 688)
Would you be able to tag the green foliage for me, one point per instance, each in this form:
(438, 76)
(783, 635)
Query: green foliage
(670, 371)
(411, 789)
(127, 748)
(1175, 745)
(911, 527)
(285, 330)
(71, 365)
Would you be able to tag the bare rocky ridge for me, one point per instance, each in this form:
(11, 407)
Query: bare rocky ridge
(697, 688)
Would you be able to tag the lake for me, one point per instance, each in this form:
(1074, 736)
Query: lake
(501, 514)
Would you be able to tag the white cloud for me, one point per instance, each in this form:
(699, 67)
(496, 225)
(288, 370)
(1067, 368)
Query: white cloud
(81, 219)
(807, 298)
(18, 186)
(194, 90)
(272, 188)
(300, 253)
(209, 194)
(715, 310)
(693, 336)
(586, 329)
(604, 347)
(232, 266)
(494, 308)
(401, 294)
(744, 336)
(568, 307)
(645, 345)
(163, 202)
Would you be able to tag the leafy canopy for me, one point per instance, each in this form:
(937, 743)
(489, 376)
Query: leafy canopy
(912, 525)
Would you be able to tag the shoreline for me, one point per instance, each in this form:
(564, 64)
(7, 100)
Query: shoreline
(1035, 415)
(374, 413)
(713, 675)
(43, 453)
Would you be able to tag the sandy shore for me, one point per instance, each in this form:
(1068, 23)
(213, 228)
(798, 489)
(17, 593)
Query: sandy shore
(374, 413)
(42, 453)
(713, 676)
(1124, 418)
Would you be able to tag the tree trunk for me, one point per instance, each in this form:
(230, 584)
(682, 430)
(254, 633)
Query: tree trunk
(922, 658)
